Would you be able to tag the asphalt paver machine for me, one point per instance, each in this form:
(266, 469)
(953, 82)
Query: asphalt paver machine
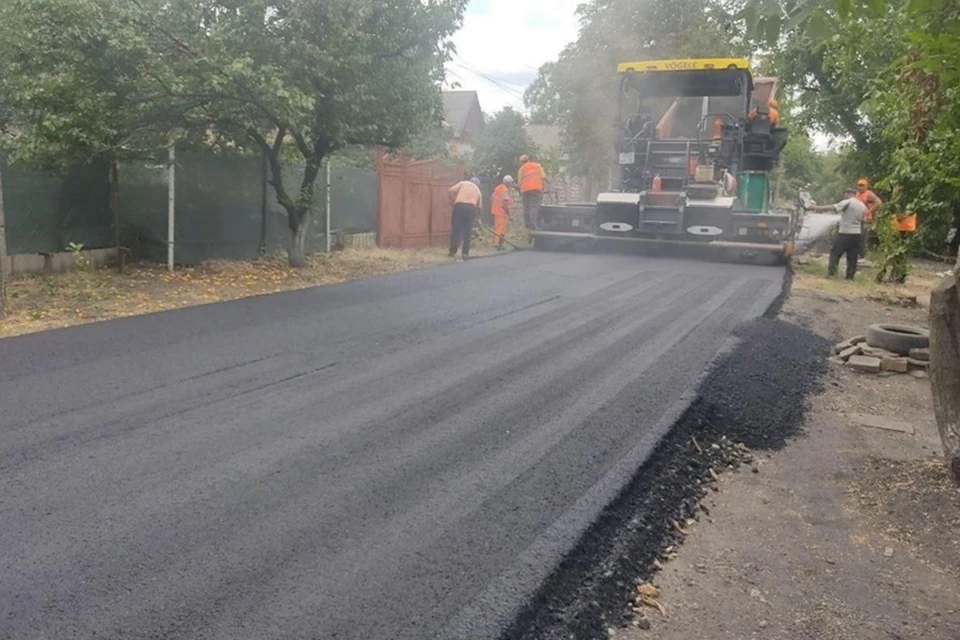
(696, 147)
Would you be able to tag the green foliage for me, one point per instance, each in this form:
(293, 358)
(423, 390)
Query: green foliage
(80, 78)
(888, 78)
(88, 77)
(832, 75)
(503, 141)
(799, 165)
(838, 171)
(579, 91)
(542, 99)
(894, 249)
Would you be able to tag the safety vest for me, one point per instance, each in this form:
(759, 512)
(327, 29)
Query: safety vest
(862, 197)
(907, 223)
(500, 194)
(531, 177)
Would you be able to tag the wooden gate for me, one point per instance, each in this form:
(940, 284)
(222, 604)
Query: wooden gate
(413, 209)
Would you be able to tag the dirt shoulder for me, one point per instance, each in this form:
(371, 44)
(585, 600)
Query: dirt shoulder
(43, 302)
(848, 532)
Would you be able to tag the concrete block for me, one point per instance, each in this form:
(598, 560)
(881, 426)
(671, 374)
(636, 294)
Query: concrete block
(897, 365)
(920, 354)
(841, 347)
(876, 352)
(865, 364)
(855, 350)
(918, 364)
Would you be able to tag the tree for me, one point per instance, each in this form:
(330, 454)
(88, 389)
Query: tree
(83, 83)
(503, 141)
(831, 74)
(917, 110)
(304, 79)
(799, 166)
(580, 90)
(542, 98)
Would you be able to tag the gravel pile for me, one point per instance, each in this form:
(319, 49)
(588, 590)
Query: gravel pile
(753, 400)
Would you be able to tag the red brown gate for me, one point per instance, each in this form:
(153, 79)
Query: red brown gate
(413, 210)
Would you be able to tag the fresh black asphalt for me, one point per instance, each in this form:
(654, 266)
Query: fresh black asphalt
(398, 457)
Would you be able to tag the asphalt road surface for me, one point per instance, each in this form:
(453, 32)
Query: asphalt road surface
(399, 457)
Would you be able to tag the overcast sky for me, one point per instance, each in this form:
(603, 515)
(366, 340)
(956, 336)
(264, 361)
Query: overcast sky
(504, 42)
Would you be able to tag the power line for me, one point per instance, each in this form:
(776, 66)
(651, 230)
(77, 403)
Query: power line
(513, 92)
(498, 82)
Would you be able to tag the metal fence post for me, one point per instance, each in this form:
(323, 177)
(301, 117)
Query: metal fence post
(171, 201)
(327, 215)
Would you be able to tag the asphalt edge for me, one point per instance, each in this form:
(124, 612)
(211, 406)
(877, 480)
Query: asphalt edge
(495, 613)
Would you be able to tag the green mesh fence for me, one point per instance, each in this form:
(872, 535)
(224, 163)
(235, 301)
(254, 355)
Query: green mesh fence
(220, 211)
(45, 212)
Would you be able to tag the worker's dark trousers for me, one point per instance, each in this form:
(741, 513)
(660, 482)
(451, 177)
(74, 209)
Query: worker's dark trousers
(531, 208)
(849, 244)
(464, 215)
(865, 240)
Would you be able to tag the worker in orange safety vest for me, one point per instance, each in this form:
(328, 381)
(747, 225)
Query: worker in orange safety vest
(500, 208)
(773, 112)
(531, 178)
(873, 202)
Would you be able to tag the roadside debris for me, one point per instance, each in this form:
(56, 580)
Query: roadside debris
(647, 596)
(879, 422)
(886, 349)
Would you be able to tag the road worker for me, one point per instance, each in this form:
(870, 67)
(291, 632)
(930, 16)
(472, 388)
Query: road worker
(873, 202)
(466, 199)
(773, 109)
(852, 213)
(531, 178)
(500, 208)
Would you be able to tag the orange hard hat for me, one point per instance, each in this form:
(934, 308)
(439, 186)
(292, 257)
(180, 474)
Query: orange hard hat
(524, 159)
(862, 182)
(773, 103)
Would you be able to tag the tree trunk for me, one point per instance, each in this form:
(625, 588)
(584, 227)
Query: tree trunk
(297, 253)
(113, 204)
(945, 368)
(3, 253)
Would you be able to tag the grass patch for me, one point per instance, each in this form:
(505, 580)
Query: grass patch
(810, 273)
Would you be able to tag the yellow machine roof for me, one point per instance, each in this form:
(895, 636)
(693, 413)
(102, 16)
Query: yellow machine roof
(692, 64)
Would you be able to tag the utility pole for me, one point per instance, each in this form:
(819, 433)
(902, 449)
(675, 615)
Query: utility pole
(263, 205)
(171, 201)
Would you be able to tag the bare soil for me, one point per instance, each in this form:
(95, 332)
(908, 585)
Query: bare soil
(846, 533)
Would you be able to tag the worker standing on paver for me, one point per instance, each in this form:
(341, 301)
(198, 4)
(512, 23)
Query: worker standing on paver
(852, 213)
(531, 178)
(500, 208)
(466, 199)
(873, 202)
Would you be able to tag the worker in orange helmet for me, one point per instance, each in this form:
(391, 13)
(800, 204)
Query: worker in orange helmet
(773, 108)
(500, 208)
(873, 202)
(531, 178)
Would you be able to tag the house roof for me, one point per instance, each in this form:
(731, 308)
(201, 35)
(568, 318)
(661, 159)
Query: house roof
(456, 108)
(545, 136)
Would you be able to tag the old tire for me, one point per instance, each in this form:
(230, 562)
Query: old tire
(897, 338)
